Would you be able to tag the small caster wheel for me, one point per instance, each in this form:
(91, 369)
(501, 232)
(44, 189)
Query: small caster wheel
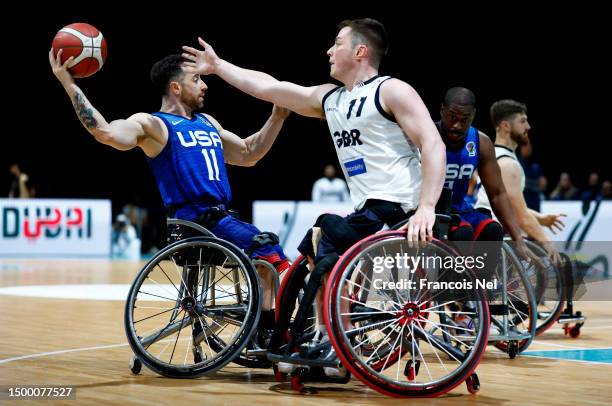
(473, 384)
(297, 383)
(574, 332)
(346, 378)
(135, 365)
(566, 329)
(278, 375)
(512, 349)
(409, 372)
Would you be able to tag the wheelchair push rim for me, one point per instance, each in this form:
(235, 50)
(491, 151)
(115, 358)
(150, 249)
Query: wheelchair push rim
(193, 307)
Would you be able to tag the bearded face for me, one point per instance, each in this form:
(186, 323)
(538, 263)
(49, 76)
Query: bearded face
(519, 129)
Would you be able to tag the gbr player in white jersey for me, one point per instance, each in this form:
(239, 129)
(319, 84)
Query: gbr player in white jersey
(390, 151)
(391, 118)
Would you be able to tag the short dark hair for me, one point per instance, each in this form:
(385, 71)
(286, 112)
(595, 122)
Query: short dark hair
(504, 109)
(370, 32)
(460, 95)
(166, 70)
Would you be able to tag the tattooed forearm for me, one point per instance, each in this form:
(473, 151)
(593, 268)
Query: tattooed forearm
(86, 114)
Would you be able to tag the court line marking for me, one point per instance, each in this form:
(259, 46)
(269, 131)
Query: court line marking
(44, 354)
(59, 352)
(544, 356)
(572, 349)
(595, 327)
(566, 359)
(569, 347)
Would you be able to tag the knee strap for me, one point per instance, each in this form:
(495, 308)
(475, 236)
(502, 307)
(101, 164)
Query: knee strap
(261, 240)
(489, 230)
(461, 232)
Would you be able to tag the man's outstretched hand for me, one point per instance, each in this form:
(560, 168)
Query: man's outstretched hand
(204, 61)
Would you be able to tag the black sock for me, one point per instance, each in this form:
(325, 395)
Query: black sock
(267, 319)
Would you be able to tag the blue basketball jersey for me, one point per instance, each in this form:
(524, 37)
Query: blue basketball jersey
(460, 166)
(190, 170)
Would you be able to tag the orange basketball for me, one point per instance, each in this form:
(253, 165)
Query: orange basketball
(86, 43)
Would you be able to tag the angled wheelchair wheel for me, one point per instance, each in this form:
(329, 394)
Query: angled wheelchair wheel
(288, 301)
(193, 307)
(401, 339)
(549, 286)
(513, 309)
(260, 339)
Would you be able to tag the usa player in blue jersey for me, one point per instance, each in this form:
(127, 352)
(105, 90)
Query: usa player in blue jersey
(468, 150)
(187, 153)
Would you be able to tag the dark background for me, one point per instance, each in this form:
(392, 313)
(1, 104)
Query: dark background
(552, 59)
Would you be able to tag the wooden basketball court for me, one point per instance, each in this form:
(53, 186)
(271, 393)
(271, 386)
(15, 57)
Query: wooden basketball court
(72, 334)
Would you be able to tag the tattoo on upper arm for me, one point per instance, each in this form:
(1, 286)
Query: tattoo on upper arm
(86, 115)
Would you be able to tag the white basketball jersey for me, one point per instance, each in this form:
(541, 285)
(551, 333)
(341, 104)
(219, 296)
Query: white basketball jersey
(378, 160)
(482, 200)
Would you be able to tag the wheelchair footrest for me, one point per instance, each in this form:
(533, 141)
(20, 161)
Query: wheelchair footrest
(565, 320)
(304, 361)
(509, 337)
(316, 374)
(259, 353)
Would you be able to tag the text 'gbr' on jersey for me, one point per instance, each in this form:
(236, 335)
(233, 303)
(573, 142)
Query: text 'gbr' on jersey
(378, 160)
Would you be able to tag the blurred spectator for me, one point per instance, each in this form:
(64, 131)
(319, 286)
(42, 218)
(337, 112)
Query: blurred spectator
(329, 188)
(125, 242)
(606, 190)
(565, 190)
(535, 181)
(145, 230)
(21, 187)
(593, 188)
(137, 216)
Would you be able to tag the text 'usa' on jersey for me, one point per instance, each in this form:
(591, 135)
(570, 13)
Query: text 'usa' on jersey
(460, 166)
(191, 167)
(377, 159)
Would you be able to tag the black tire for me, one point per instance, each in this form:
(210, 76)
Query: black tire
(196, 259)
(523, 309)
(288, 301)
(135, 365)
(405, 311)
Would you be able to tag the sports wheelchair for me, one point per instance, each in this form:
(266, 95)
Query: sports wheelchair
(403, 342)
(554, 286)
(195, 305)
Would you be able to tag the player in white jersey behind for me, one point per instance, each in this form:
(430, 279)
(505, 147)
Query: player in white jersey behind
(390, 150)
(509, 118)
